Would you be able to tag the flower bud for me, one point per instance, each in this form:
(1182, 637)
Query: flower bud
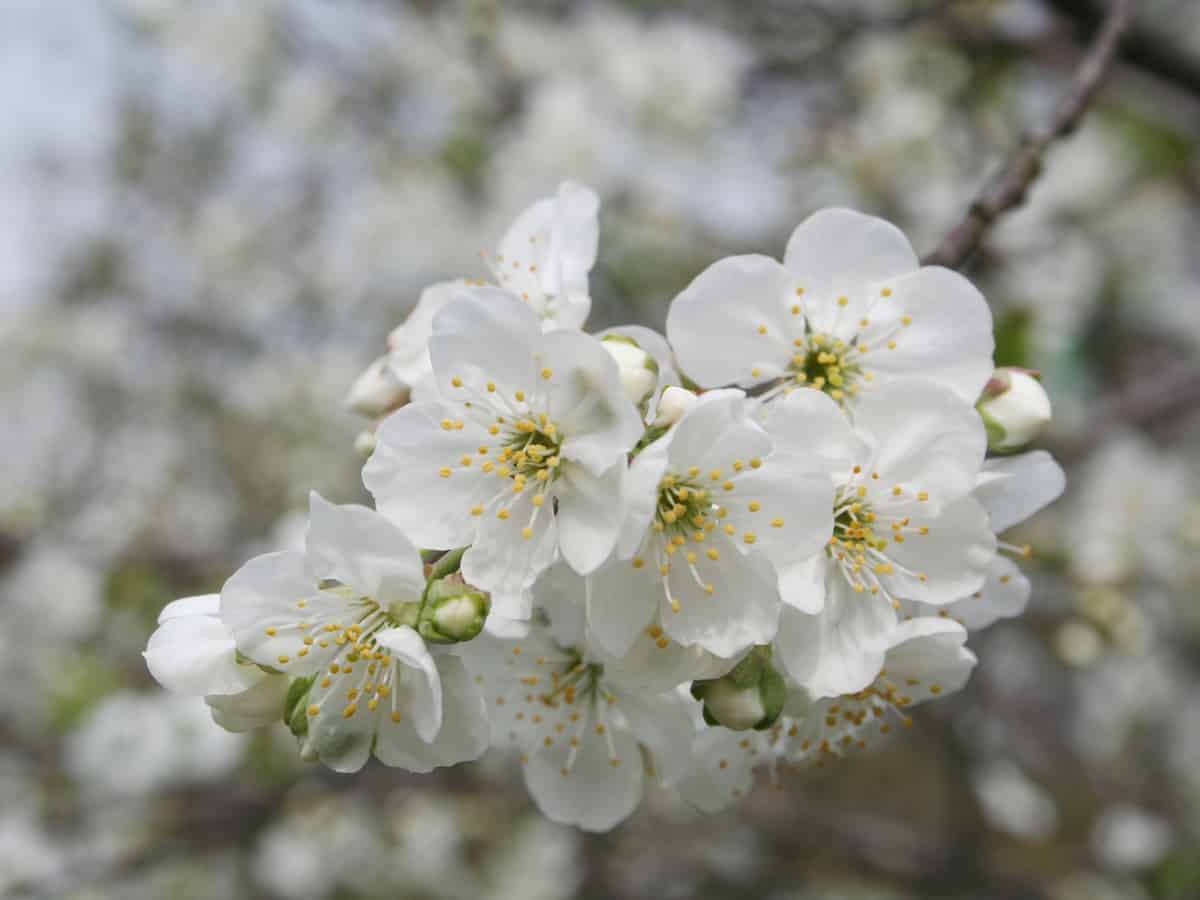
(1015, 408)
(376, 391)
(673, 405)
(453, 611)
(639, 371)
(750, 696)
(295, 707)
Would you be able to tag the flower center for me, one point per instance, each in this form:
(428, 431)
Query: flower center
(868, 518)
(827, 364)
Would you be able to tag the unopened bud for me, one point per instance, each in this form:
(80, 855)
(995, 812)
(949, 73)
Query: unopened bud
(364, 443)
(376, 391)
(639, 371)
(750, 696)
(673, 405)
(453, 611)
(1015, 408)
(295, 707)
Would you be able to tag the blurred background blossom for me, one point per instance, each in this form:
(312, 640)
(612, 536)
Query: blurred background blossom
(214, 213)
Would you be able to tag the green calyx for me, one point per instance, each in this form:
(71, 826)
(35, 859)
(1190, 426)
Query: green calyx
(453, 611)
(751, 696)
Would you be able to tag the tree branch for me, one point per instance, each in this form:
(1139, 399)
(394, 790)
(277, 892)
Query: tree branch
(1140, 47)
(1008, 187)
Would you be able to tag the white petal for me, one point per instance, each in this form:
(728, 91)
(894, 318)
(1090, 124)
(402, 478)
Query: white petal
(812, 432)
(422, 685)
(505, 563)
(789, 512)
(721, 770)
(1016, 487)
(406, 475)
(587, 402)
(408, 344)
(196, 655)
(924, 439)
(742, 609)
(954, 556)
(838, 253)
(716, 433)
(1004, 595)
(255, 707)
(621, 602)
(802, 584)
(462, 737)
(733, 320)
(260, 604)
(363, 550)
(654, 665)
(930, 651)
(595, 795)
(201, 605)
(645, 472)
(663, 724)
(485, 335)
(839, 651)
(948, 339)
(590, 512)
(560, 593)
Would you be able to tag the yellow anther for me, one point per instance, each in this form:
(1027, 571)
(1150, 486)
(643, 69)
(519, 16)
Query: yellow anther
(777, 523)
(906, 320)
(842, 301)
(715, 474)
(520, 396)
(886, 292)
(749, 537)
(271, 632)
(891, 345)
(491, 387)
(313, 709)
(350, 710)
(922, 496)
(755, 463)
(456, 381)
(539, 499)
(762, 329)
(675, 607)
(502, 514)
(526, 532)
(638, 562)
(713, 553)
(754, 506)
(547, 373)
(795, 309)
(283, 659)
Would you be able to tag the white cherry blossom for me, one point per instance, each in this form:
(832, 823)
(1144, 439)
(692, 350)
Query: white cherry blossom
(850, 308)
(905, 527)
(332, 613)
(523, 453)
(712, 514)
(589, 742)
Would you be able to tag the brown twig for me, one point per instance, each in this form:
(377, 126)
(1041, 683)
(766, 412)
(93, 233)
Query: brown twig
(1140, 47)
(1010, 185)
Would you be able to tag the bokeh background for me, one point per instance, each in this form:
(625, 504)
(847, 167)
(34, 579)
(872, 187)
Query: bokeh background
(211, 213)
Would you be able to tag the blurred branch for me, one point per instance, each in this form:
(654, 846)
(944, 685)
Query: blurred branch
(1149, 400)
(1140, 47)
(1009, 186)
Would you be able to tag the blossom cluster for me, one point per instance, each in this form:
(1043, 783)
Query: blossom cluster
(756, 541)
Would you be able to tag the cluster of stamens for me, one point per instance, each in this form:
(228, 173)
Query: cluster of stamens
(361, 666)
(827, 363)
(562, 698)
(525, 451)
(863, 529)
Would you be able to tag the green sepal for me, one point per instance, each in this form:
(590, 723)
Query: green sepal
(295, 706)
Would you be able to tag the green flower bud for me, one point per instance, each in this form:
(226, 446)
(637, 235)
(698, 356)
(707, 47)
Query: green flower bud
(453, 611)
(752, 695)
(295, 706)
